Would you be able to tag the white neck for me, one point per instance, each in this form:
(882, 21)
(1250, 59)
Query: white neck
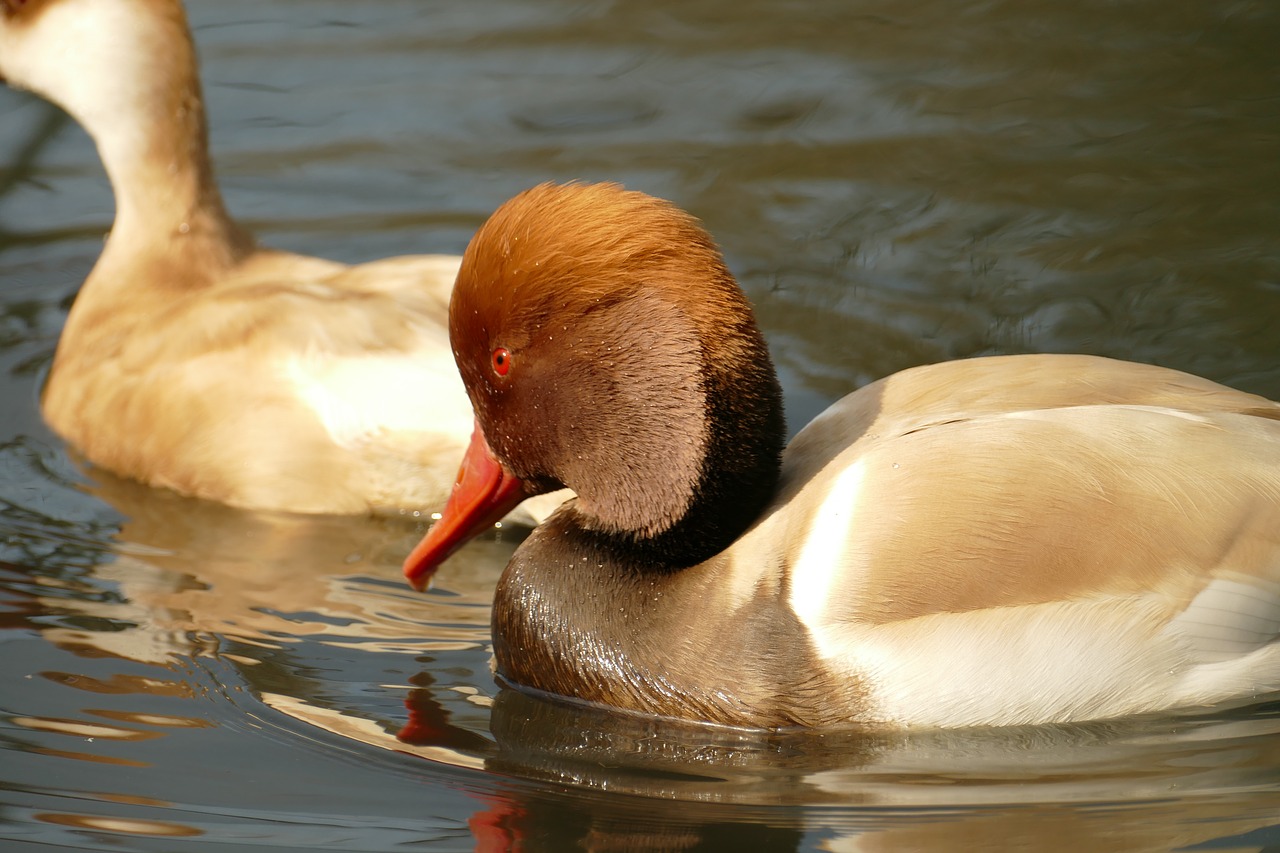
(126, 71)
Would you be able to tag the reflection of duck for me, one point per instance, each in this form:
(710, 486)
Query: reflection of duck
(1011, 540)
(186, 577)
(196, 360)
(691, 784)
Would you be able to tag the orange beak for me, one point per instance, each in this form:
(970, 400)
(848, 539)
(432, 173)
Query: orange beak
(483, 493)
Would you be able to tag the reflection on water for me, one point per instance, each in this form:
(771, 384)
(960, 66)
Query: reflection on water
(893, 183)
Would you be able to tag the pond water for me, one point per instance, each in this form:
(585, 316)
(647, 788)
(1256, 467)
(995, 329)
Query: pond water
(893, 183)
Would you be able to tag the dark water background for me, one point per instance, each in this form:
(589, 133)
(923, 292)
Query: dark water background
(893, 183)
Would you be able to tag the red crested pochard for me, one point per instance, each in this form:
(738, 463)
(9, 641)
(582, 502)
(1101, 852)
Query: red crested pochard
(998, 541)
(194, 359)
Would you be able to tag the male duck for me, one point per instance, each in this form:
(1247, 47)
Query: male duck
(998, 541)
(196, 360)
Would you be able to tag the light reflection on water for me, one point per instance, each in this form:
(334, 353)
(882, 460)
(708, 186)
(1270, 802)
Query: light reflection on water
(893, 184)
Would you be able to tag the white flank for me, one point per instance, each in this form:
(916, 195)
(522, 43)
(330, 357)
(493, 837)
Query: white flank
(367, 396)
(1062, 661)
(818, 568)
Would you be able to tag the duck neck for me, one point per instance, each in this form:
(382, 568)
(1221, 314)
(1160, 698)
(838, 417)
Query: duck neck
(163, 181)
(135, 89)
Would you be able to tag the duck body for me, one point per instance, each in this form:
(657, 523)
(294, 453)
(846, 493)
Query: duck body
(998, 541)
(921, 566)
(195, 359)
(282, 392)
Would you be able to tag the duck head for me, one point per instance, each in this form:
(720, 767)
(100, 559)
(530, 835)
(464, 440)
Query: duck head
(606, 347)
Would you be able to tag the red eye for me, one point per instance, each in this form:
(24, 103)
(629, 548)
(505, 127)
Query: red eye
(501, 361)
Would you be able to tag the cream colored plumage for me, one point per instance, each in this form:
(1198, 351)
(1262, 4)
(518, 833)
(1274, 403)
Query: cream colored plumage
(196, 360)
(1107, 532)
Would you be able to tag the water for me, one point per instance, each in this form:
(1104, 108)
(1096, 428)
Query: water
(893, 184)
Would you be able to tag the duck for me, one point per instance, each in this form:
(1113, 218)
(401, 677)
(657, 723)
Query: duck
(194, 358)
(997, 541)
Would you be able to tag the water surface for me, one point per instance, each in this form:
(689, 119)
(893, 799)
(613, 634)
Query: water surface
(893, 183)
